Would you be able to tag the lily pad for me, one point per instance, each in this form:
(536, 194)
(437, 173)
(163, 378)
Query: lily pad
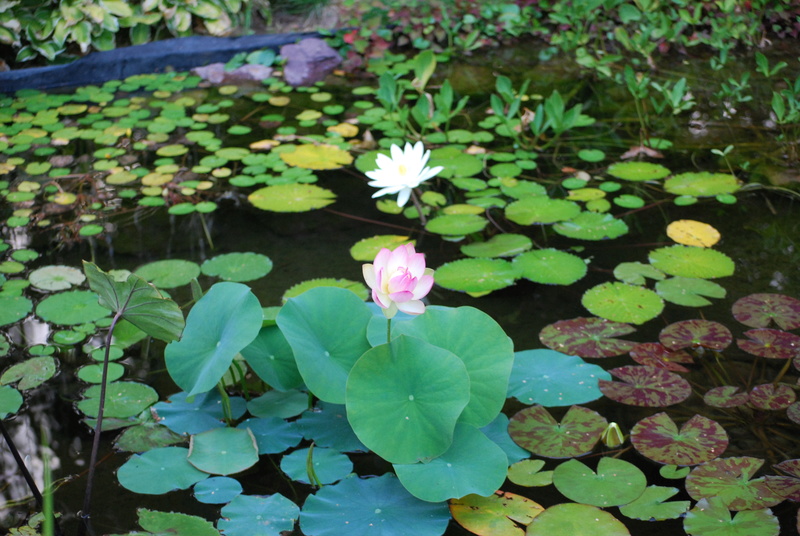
(700, 439)
(771, 343)
(527, 472)
(329, 466)
(56, 277)
(759, 310)
(310, 156)
(731, 480)
(652, 505)
(644, 386)
(223, 451)
(687, 261)
(712, 517)
(367, 248)
(726, 396)
(162, 523)
(250, 515)
(616, 482)
(655, 354)
(10, 401)
(14, 308)
(476, 276)
(695, 333)
(456, 224)
(592, 226)
(291, 197)
(572, 519)
(123, 399)
(498, 514)
(541, 209)
(693, 233)
(634, 273)
(689, 291)
(356, 287)
(158, 471)
(501, 245)
(554, 379)
(30, 373)
(768, 396)
(217, 490)
(238, 267)
(587, 337)
(534, 429)
(550, 266)
(702, 184)
(169, 273)
(637, 171)
(621, 302)
(71, 308)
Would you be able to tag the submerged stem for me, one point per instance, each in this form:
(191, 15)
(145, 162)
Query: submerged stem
(388, 330)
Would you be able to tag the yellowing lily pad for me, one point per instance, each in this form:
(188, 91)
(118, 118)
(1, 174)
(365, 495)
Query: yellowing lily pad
(345, 130)
(310, 156)
(500, 514)
(693, 233)
(291, 197)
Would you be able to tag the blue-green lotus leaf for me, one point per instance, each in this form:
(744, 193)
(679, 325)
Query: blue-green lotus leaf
(370, 507)
(273, 434)
(404, 398)
(254, 515)
(472, 464)
(329, 465)
(327, 330)
(71, 308)
(223, 451)
(592, 226)
(540, 209)
(184, 414)
(497, 431)
(10, 401)
(483, 346)
(272, 359)
(550, 266)
(217, 490)
(327, 426)
(283, 404)
(237, 267)
(158, 471)
(173, 524)
(554, 379)
(169, 273)
(218, 327)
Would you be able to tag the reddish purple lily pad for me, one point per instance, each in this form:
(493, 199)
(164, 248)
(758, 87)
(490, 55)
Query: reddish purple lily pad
(699, 440)
(772, 396)
(535, 430)
(791, 488)
(793, 412)
(695, 333)
(758, 310)
(655, 354)
(726, 396)
(587, 337)
(731, 480)
(772, 343)
(644, 386)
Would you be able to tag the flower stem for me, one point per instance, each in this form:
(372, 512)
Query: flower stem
(422, 219)
(388, 330)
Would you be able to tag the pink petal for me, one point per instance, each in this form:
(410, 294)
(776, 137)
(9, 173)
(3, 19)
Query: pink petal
(424, 285)
(401, 296)
(369, 275)
(416, 264)
(382, 259)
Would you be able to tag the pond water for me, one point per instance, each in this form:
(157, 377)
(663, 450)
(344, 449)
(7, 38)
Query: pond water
(758, 233)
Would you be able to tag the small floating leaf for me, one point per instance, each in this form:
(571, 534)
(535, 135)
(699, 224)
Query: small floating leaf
(644, 386)
(237, 266)
(158, 471)
(71, 308)
(768, 396)
(592, 226)
(701, 184)
(725, 396)
(291, 197)
(540, 209)
(693, 233)
(615, 483)
(535, 430)
(638, 171)
(501, 245)
(248, 515)
(30, 373)
(223, 451)
(56, 277)
(554, 379)
(687, 261)
(652, 505)
(711, 517)
(771, 343)
(621, 302)
(571, 519)
(550, 266)
(587, 337)
(655, 354)
(169, 273)
(689, 291)
(476, 276)
(311, 156)
(700, 439)
(456, 224)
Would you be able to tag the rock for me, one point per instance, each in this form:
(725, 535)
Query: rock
(309, 60)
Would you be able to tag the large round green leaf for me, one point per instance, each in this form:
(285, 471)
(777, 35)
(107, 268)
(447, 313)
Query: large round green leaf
(701, 184)
(56, 277)
(30, 373)
(541, 209)
(123, 399)
(169, 273)
(587, 337)
(472, 464)
(223, 451)
(327, 330)
(621, 302)
(237, 266)
(404, 398)
(71, 307)
(456, 224)
(371, 507)
(592, 226)
(571, 519)
(550, 266)
(14, 308)
(218, 327)
(553, 379)
(476, 276)
(253, 515)
(616, 482)
(10, 401)
(158, 471)
(689, 261)
(652, 504)
(291, 197)
(711, 517)
(637, 171)
(271, 358)
(502, 245)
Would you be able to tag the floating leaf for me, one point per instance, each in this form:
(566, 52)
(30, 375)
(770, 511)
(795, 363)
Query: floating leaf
(273, 434)
(291, 197)
(621, 302)
(217, 490)
(711, 517)
(327, 426)
(169, 273)
(634, 273)
(648, 387)
(695, 333)
(14, 308)
(771, 343)
(123, 399)
(541, 209)
(30, 373)
(251, 515)
(367, 248)
(693, 233)
(173, 524)
(725, 396)
(637, 171)
(527, 472)
(730, 480)
(476, 276)
(652, 505)
(56, 277)
(592, 226)
(700, 439)
(655, 354)
(237, 267)
(702, 184)
(329, 465)
(550, 266)
(71, 308)
(616, 482)
(456, 224)
(223, 451)
(554, 379)
(158, 471)
(191, 415)
(311, 156)
(499, 514)
(587, 337)
(572, 519)
(758, 310)
(689, 291)
(10, 401)
(501, 245)
(535, 430)
(687, 261)
(356, 287)
(768, 396)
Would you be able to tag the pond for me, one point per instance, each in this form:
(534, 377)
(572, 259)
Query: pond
(550, 215)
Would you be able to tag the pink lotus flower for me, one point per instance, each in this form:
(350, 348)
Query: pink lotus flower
(399, 280)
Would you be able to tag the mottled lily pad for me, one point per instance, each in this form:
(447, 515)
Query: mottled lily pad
(499, 514)
(616, 482)
(291, 197)
(702, 184)
(769, 396)
(553, 379)
(644, 386)
(771, 343)
(759, 310)
(695, 333)
(637, 171)
(535, 430)
(592, 226)
(237, 266)
(550, 266)
(501, 245)
(587, 337)
(169, 273)
(621, 302)
(655, 354)
(476, 276)
(726, 396)
(731, 480)
(700, 439)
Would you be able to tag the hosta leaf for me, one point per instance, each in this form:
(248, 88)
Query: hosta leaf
(700, 439)
(587, 337)
(759, 310)
(535, 430)
(476, 276)
(695, 333)
(646, 387)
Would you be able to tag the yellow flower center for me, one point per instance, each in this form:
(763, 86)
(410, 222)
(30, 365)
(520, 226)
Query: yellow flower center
(402, 169)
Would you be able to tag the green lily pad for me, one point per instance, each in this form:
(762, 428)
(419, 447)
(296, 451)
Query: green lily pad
(702, 184)
(634, 273)
(250, 515)
(456, 224)
(554, 379)
(587, 337)
(10, 401)
(30, 373)
(731, 480)
(535, 430)
(356, 287)
(644, 386)
(572, 519)
(170, 523)
(498, 514)
(652, 505)
(14, 308)
(592, 226)
(689, 261)
(223, 451)
(310, 156)
(540, 209)
(591, 155)
(689, 291)
(123, 399)
(71, 308)
(638, 171)
(329, 465)
(694, 333)
(699, 440)
(759, 310)
(169, 273)
(237, 266)
(158, 471)
(291, 197)
(501, 245)
(477, 277)
(550, 266)
(711, 517)
(615, 483)
(621, 302)
(455, 162)
(147, 435)
(367, 248)
(528, 473)
(56, 277)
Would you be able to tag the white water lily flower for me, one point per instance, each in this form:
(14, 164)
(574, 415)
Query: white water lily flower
(402, 172)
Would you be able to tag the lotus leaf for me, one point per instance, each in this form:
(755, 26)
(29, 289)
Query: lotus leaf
(702, 184)
(367, 248)
(771, 343)
(158, 471)
(540, 209)
(169, 273)
(147, 435)
(329, 466)
(273, 434)
(725, 396)
(498, 514)
(768, 396)
(217, 490)
(534, 429)
(700, 439)
(587, 337)
(283, 404)
(571, 519)
(592, 226)
(250, 515)
(731, 480)
(310, 156)
(71, 308)
(14, 308)
(238, 267)
(327, 426)
(10, 401)
(634, 273)
(646, 387)
(711, 517)
(123, 399)
(652, 505)
(553, 379)
(615, 483)
(528, 473)
(291, 197)
(476, 276)
(758, 310)
(637, 171)
(550, 266)
(654, 354)
(688, 261)
(404, 398)
(192, 415)
(695, 333)
(621, 302)
(456, 224)
(501, 245)
(693, 233)
(56, 277)
(270, 357)
(497, 431)
(366, 507)
(173, 524)
(223, 451)
(689, 291)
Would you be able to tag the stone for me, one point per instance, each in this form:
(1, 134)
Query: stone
(308, 61)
